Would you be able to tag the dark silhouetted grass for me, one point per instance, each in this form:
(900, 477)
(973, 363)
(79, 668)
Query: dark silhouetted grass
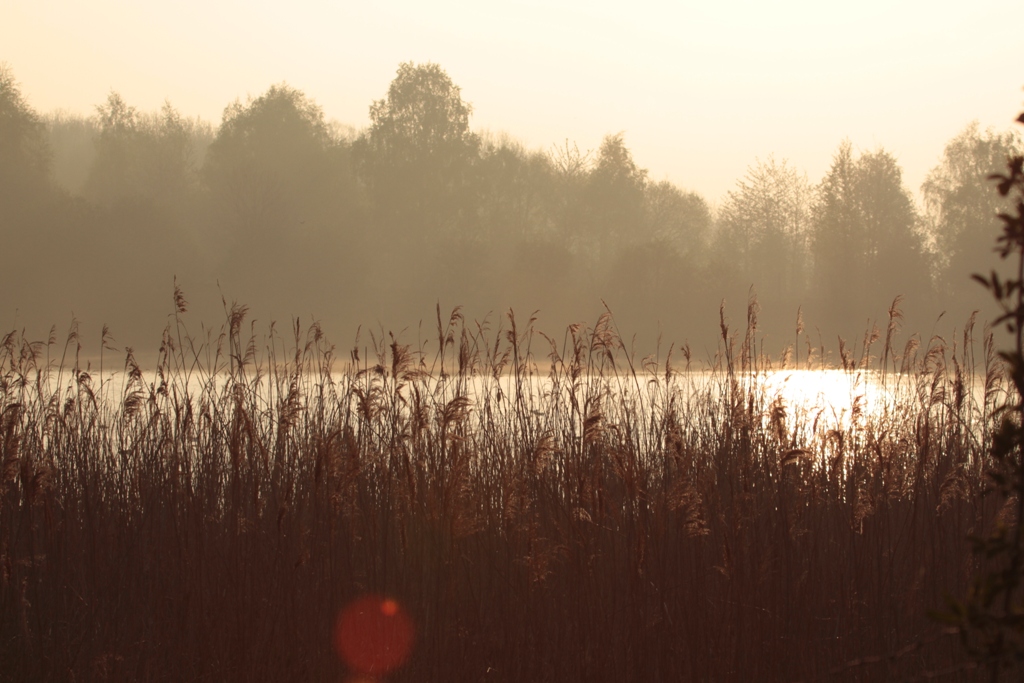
(545, 509)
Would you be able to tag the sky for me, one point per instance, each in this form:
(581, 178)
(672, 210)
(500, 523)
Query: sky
(700, 90)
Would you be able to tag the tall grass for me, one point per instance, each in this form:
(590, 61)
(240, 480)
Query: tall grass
(547, 509)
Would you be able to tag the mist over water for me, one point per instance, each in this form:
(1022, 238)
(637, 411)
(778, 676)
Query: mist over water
(295, 217)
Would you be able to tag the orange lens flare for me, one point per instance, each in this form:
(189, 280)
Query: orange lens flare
(374, 635)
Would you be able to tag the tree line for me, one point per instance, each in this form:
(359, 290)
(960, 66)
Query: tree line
(294, 215)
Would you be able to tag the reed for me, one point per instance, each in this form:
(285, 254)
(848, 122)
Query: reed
(546, 509)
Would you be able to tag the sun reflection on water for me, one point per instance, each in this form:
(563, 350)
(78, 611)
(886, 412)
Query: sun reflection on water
(836, 395)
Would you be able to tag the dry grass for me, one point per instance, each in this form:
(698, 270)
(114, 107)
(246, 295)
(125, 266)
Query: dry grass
(546, 509)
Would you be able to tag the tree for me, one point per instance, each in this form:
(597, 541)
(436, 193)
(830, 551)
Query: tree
(866, 242)
(962, 209)
(72, 139)
(514, 190)
(417, 153)
(114, 169)
(282, 199)
(659, 268)
(30, 218)
(894, 242)
(762, 232)
(144, 158)
(836, 239)
(668, 251)
(678, 218)
(614, 200)
(269, 165)
(24, 153)
(571, 172)
(513, 254)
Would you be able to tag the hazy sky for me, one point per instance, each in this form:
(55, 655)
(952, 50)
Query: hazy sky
(699, 89)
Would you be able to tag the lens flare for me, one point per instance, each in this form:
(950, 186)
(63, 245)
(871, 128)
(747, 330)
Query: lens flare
(374, 635)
